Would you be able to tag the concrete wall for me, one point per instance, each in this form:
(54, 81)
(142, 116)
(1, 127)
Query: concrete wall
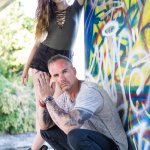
(117, 55)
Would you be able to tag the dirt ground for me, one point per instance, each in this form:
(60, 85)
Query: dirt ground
(16, 142)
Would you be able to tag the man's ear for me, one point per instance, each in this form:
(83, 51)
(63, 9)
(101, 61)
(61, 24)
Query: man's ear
(74, 69)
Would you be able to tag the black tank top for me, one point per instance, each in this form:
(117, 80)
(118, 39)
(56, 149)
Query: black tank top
(63, 38)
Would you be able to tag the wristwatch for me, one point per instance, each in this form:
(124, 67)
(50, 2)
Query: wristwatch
(48, 98)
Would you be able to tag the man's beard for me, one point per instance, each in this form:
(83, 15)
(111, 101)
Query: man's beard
(64, 86)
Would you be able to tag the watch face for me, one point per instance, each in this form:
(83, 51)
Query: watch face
(49, 98)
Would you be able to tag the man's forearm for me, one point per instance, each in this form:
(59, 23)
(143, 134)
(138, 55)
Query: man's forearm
(65, 121)
(44, 119)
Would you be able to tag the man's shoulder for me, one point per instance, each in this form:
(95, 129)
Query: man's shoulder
(92, 86)
(89, 84)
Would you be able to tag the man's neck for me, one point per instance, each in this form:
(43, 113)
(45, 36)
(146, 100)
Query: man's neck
(75, 90)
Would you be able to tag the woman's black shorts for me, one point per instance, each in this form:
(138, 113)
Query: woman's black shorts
(43, 54)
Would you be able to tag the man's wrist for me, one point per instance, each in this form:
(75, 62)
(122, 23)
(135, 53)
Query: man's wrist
(48, 99)
(43, 105)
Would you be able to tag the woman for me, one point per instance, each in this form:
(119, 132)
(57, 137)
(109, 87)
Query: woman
(60, 22)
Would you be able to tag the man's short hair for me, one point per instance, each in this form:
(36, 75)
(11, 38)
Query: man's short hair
(58, 57)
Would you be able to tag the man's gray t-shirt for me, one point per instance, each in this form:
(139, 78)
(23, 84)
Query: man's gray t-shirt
(105, 118)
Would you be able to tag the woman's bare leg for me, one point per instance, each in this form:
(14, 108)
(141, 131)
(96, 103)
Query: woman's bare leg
(38, 140)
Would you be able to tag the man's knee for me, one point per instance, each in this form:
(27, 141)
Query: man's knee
(74, 138)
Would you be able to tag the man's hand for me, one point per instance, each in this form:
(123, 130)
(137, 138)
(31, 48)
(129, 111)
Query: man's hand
(58, 90)
(44, 87)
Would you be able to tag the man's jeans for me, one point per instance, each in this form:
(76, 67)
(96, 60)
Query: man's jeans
(77, 139)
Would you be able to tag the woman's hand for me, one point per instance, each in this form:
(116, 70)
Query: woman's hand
(24, 77)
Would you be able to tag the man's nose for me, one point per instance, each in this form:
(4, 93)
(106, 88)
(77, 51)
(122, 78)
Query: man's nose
(61, 77)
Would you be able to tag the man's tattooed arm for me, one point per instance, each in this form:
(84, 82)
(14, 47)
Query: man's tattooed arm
(67, 121)
(47, 118)
(44, 119)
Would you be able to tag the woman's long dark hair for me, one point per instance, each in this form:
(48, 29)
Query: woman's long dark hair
(44, 12)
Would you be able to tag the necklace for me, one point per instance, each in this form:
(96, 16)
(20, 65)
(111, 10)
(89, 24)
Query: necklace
(60, 18)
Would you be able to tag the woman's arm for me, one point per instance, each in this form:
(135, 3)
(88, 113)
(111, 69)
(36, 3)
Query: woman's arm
(24, 77)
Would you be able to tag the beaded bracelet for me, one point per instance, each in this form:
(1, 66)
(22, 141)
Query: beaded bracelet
(43, 105)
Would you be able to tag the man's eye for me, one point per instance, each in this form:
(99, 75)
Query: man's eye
(55, 76)
(64, 71)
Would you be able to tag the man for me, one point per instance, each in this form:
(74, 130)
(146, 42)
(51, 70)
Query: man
(81, 114)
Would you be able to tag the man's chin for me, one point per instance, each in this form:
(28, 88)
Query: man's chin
(65, 89)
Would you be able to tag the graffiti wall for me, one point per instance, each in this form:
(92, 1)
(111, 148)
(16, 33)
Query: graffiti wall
(117, 52)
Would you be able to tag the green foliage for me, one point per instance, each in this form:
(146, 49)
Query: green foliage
(9, 68)
(17, 107)
(17, 104)
(16, 30)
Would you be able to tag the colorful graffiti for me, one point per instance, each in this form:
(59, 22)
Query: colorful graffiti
(117, 44)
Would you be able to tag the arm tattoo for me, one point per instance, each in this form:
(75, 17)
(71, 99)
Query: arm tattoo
(47, 119)
(78, 117)
(74, 118)
(55, 111)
